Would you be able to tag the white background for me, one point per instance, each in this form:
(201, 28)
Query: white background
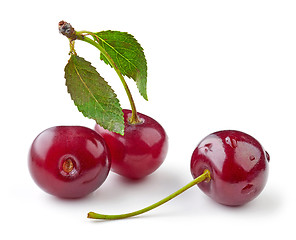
(212, 65)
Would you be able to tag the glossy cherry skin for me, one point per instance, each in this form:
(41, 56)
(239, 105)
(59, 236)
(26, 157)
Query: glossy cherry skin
(69, 161)
(140, 151)
(238, 165)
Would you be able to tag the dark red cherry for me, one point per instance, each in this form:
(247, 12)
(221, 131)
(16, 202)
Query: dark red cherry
(69, 161)
(238, 166)
(140, 151)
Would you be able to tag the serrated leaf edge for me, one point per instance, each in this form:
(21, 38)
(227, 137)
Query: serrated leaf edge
(137, 80)
(76, 70)
(119, 52)
(121, 132)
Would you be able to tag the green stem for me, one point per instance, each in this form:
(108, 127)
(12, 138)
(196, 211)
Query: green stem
(80, 36)
(203, 177)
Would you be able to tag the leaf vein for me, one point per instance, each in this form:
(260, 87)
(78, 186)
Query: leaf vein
(87, 88)
(115, 50)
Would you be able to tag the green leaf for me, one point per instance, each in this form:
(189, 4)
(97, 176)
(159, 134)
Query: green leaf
(127, 54)
(92, 95)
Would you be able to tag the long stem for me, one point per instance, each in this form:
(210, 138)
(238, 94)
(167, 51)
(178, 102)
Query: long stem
(203, 177)
(80, 36)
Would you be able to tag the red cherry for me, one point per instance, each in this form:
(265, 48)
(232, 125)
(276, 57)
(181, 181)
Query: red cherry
(229, 166)
(69, 161)
(140, 151)
(238, 166)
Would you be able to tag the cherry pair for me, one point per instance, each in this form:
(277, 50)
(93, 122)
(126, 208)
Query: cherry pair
(73, 161)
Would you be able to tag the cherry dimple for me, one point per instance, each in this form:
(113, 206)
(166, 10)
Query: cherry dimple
(69, 161)
(68, 167)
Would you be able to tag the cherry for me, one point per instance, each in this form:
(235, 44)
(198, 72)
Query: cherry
(238, 165)
(229, 166)
(140, 151)
(69, 161)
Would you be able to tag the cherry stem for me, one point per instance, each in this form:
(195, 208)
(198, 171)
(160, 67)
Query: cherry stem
(203, 177)
(67, 30)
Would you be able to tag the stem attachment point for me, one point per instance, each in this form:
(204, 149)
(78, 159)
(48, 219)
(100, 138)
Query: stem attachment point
(67, 30)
